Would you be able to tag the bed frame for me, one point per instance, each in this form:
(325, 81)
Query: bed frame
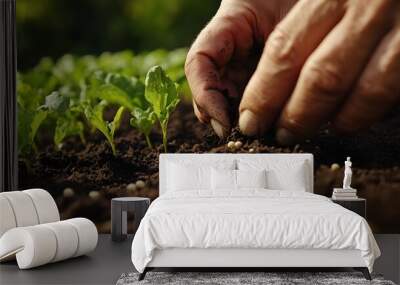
(242, 259)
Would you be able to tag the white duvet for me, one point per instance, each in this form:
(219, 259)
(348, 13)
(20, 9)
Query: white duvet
(250, 219)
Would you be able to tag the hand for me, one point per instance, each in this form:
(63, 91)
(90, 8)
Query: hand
(325, 61)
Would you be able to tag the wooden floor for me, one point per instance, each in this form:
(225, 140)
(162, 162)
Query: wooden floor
(111, 259)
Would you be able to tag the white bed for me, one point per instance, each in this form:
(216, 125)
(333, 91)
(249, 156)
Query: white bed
(249, 227)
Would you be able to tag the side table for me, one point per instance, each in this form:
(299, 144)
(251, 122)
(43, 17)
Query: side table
(357, 205)
(119, 215)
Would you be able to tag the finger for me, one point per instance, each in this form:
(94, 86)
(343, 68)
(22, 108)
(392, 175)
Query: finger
(202, 72)
(202, 116)
(212, 50)
(285, 51)
(378, 89)
(332, 69)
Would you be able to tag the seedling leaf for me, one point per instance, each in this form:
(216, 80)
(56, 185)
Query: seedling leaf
(95, 117)
(67, 127)
(56, 102)
(118, 89)
(161, 92)
(115, 124)
(143, 120)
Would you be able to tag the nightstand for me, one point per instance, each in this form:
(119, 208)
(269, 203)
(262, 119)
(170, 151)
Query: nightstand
(357, 205)
(119, 215)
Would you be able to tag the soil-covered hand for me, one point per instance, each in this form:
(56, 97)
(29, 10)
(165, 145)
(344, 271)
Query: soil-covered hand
(322, 61)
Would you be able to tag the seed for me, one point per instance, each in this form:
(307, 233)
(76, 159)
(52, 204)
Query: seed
(131, 187)
(68, 192)
(140, 184)
(94, 195)
(231, 144)
(238, 144)
(335, 166)
(251, 150)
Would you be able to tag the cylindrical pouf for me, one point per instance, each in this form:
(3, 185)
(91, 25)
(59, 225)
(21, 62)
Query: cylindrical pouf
(33, 246)
(45, 205)
(23, 208)
(67, 239)
(37, 245)
(87, 235)
(7, 218)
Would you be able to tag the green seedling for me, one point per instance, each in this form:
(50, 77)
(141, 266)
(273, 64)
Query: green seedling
(54, 94)
(66, 116)
(161, 92)
(30, 117)
(95, 117)
(118, 89)
(144, 121)
(68, 125)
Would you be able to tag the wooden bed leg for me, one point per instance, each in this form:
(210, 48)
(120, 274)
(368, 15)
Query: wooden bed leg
(143, 274)
(364, 271)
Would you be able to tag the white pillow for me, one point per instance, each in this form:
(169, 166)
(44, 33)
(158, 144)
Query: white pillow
(226, 179)
(251, 178)
(223, 179)
(185, 175)
(291, 175)
(181, 178)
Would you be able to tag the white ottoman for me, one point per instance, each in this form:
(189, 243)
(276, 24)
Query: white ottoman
(31, 231)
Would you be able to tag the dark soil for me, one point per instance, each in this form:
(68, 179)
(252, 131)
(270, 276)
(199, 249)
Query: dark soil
(92, 167)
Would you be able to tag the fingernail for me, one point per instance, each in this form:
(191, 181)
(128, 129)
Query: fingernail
(248, 123)
(219, 129)
(285, 137)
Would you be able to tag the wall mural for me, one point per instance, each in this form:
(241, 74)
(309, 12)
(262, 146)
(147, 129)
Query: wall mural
(90, 126)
